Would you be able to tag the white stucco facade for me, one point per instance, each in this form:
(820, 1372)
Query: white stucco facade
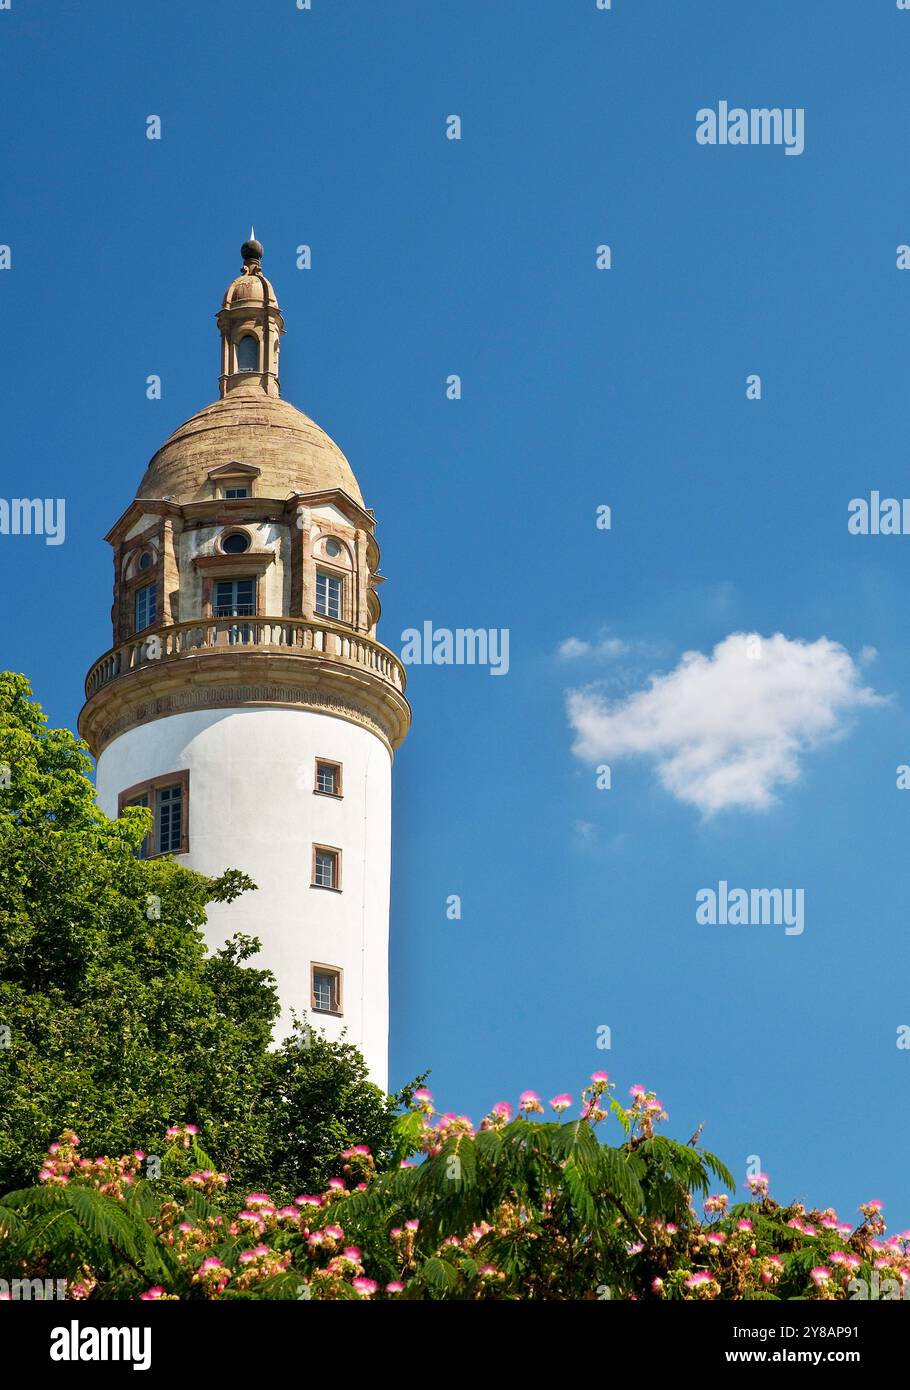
(252, 806)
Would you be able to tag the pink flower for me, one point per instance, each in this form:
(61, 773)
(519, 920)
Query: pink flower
(395, 1287)
(744, 1225)
(253, 1254)
(603, 1076)
(364, 1286)
(635, 1092)
(503, 1108)
(530, 1101)
(155, 1292)
(820, 1274)
(695, 1280)
(308, 1201)
(560, 1103)
(352, 1253)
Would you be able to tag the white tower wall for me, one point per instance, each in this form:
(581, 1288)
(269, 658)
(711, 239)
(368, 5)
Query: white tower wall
(252, 807)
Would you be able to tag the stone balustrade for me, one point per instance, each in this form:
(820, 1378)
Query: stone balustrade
(292, 636)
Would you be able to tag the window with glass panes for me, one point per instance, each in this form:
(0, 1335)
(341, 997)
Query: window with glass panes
(236, 492)
(146, 606)
(169, 819)
(166, 798)
(328, 594)
(325, 868)
(234, 598)
(328, 778)
(326, 990)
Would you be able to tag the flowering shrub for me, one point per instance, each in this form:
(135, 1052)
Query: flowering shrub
(516, 1208)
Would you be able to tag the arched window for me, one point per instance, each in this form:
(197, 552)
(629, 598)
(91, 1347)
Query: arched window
(248, 354)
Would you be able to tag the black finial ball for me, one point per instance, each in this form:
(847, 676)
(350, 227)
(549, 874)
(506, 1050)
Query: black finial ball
(252, 251)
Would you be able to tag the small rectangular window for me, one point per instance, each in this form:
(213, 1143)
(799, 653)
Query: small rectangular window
(326, 989)
(146, 606)
(234, 492)
(167, 799)
(328, 778)
(328, 595)
(326, 867)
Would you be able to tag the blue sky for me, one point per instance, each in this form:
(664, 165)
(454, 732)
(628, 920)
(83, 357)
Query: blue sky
(580, 388)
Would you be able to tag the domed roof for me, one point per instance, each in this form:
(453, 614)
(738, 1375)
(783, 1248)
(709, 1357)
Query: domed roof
(292, 452)
(249, 287)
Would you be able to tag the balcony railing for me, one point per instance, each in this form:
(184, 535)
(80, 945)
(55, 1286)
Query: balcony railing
(219, 635)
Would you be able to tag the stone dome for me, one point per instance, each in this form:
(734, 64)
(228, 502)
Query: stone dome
(292, 452)
(253, 288)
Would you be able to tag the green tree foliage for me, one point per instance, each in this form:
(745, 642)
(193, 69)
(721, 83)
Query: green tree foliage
(114, 1019)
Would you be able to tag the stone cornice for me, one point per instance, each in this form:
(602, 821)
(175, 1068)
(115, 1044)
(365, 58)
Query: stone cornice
(353, 678)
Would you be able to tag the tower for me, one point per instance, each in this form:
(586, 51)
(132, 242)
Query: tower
(245, 699)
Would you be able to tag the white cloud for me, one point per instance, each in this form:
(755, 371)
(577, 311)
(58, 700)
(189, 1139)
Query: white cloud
(727, 730)
(574, 647)
(571, 648)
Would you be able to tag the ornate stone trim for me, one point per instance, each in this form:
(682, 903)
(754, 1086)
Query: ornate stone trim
(231, 696)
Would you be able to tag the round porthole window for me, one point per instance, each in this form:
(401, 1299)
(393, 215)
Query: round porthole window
(145, 560)
(332, 548)
(236, 543)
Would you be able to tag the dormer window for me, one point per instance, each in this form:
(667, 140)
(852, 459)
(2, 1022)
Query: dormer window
(248, 354)
(232, 480)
